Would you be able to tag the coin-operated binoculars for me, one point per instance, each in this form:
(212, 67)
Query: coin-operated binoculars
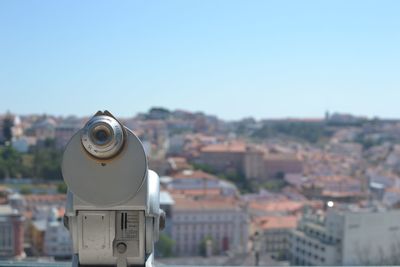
(113, 211)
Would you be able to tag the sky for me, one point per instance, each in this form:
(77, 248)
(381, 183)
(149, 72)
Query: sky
(234, 59)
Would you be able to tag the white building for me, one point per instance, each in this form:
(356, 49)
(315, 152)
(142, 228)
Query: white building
(222, 221)
(347, 236)
(57, 239)
(22, 143)
(45, 129)
(275, 234)
(202, 182)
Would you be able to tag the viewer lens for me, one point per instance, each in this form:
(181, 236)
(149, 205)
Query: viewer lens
(101, 136)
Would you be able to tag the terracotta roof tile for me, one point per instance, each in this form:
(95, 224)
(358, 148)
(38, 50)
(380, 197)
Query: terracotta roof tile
(192, 204)
(197, 192)
(234, 147)
(277, 222)
(276, 206)
(44, 198)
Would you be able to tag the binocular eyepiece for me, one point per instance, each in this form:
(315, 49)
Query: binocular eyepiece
(103, 136)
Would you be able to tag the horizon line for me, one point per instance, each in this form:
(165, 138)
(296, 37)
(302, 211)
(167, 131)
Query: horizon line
(287, 118)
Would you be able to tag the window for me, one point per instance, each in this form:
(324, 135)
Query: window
(354, 226)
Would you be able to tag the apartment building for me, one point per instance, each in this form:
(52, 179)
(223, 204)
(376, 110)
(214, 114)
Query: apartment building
(190, 182)
(275, 234)
(57, 239)
(262, 164)
(280, 207)
(11, 233)
(65, 130)
(224, 157)
(347, 236)
(223, 221)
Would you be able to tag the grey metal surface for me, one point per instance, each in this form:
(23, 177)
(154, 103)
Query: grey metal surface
(104, 182)
(102, 136)
(34, 264)
(113, 203)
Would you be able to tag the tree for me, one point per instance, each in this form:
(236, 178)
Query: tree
(46, 162)
(165, 245)
(8, 123)
(203, 245)
(308, 131)
(235, 177)
(62, 188)
(26, 190)
(10, 163)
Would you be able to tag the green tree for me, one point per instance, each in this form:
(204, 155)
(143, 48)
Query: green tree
(165, 245)
(25, 190)
(235, 177)
(203, 245)
(10, 162)
(46, 163)
(62, 188)
(204, 168)
(8, 123)
(308, 131)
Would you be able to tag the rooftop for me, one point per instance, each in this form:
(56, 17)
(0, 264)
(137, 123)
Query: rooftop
(205, 204)
(276, 206)
(277, 222)
(166, 198)
(235, 147)
(190, 174)
(44, 198)
(197, 192)
(6, 210)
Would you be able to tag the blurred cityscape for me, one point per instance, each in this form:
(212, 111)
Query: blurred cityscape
(322, 191)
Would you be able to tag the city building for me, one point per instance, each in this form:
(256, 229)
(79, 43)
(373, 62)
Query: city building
(334, 187)
(265, 164)
(196, 182)
(44, 128)
(156, 133)
(280, 207)
(23, 143)
(34, 201)
(65, 130)
(348, 236)
(166, 204)
(36, 232)
(275, 234)
(177, 164)
(57, 240)
(224, 157)
(279, 164)
(196, 222)
(11, 233)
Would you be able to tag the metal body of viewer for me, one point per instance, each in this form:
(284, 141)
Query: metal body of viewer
(112, 209)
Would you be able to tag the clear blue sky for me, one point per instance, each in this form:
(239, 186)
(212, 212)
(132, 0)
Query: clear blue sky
(230, 58)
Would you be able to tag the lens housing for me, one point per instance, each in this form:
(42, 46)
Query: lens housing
(102, 137)
(101, 134)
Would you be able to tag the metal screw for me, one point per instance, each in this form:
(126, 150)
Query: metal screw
(121, 248)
